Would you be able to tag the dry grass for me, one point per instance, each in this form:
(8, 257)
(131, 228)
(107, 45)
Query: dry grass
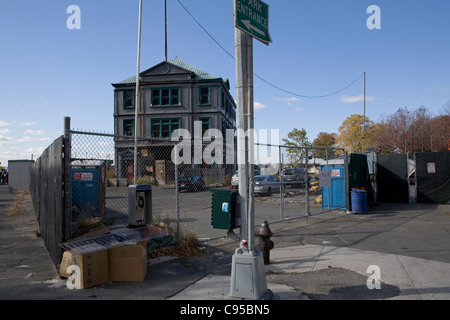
(188, 246)
(16, 208)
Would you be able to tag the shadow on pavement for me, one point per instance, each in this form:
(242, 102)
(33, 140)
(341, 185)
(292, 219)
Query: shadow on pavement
(334, 284)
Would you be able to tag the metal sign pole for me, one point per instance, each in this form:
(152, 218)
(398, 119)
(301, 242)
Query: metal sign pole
(251, 145)
(248, 277)
(241, 93)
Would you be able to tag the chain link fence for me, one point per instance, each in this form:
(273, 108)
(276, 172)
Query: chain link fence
(102, 168)
(304, 190)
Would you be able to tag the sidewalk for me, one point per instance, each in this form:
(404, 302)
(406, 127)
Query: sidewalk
(402, 277)
(310, 271)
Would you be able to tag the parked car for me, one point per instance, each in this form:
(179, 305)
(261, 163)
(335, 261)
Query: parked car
(235, 176)
(293, 176)
(266, 184)
(194, 183)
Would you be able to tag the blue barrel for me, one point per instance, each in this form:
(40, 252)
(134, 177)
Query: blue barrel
(359, 201)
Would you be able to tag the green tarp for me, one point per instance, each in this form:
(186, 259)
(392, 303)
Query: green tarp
(358, 173)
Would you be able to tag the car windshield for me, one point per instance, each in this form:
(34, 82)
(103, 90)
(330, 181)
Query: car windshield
(289, 171)
(185, 179)
(258, 179)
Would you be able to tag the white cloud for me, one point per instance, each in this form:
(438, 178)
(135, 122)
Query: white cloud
(31, 139)
(19, 153)
(3, 131)
(34, 132)
(299, 109)
(25, 139)
(4, 123)
(259, 106)
(34, 150)
(4, 140)
(27, 123)
(289, 101)
(353, 99)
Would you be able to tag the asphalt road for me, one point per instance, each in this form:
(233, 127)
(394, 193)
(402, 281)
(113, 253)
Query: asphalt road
(416, 230)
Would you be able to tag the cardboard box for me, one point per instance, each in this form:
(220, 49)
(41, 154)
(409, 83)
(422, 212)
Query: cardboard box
(93, 267)
(128, 262)
(66, 261)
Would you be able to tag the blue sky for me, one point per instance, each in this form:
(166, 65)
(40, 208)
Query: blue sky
(48, 71)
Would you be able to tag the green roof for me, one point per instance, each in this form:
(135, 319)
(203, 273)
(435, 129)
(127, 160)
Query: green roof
(198, 74)
(129, 80)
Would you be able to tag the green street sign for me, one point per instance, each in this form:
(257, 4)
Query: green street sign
(252, 16)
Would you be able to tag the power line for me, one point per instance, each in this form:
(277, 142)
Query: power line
(206, 31)
(262, 79)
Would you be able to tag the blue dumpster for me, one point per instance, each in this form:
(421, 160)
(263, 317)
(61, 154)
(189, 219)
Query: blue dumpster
(359, 201)
(88, 179)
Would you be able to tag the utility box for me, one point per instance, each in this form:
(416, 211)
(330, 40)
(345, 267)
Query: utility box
(225, 208)
(88, 179)
(139, 204)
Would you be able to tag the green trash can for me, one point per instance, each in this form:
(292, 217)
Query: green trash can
(224, 208)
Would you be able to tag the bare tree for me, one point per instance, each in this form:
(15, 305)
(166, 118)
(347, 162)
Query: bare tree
(399, 125)
(440, 130)
(417, 131)
(421, 130)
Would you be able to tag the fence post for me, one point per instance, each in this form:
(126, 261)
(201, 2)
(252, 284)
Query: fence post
(307, 183)
(347, 193)
(281, 182)
(67, 193)
(328, 187)
(177, 203)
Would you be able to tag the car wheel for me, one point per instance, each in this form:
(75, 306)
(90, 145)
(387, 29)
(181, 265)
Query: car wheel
(269, 191)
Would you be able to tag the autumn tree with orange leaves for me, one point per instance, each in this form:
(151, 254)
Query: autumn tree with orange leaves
(404, 131)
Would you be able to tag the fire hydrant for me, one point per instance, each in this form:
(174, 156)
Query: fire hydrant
(265, 244)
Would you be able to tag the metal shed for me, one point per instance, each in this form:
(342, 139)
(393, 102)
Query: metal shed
(19, 174)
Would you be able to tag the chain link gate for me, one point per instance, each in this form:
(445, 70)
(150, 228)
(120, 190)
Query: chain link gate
(302, 192)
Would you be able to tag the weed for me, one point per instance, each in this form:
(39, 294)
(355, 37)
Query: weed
(187, 246)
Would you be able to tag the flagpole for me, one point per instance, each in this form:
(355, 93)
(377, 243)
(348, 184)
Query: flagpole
(136, 101)
(364, 118)
(165, 25)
